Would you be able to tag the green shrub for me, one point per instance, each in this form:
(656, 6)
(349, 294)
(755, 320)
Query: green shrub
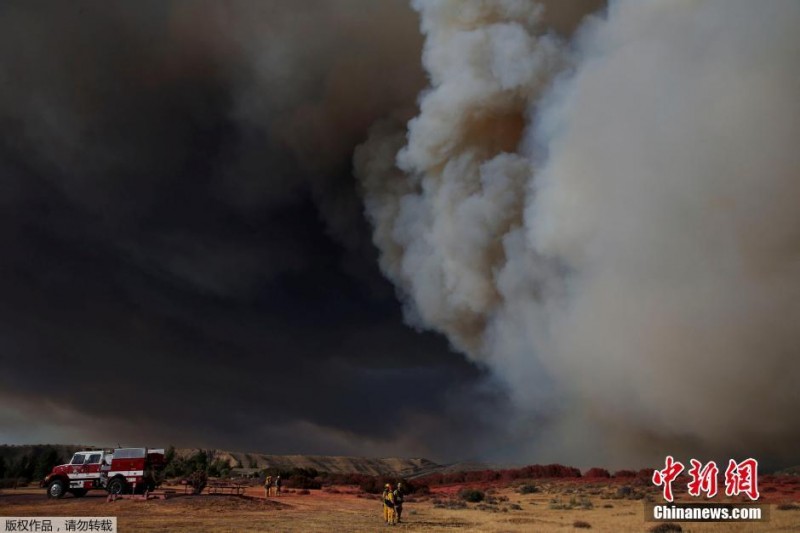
(198, 481)
(624, 492)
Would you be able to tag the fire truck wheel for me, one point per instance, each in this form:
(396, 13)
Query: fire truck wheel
(117, 486)
(56, 489)
(79, 493)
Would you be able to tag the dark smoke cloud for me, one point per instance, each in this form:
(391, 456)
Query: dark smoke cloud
(184, 255)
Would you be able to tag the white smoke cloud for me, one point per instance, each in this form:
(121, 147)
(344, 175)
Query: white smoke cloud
(610, 224)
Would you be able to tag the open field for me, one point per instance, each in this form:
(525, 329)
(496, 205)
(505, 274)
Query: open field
(345, 509)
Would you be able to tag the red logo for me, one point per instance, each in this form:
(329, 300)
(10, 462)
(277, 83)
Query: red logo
(742, 477)
(703, 479)
(667, 476)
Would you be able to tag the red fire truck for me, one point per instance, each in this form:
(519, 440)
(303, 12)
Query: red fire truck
(117, 471)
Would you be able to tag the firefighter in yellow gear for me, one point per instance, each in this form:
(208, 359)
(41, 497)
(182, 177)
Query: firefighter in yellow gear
(388, 505)
(267, 486)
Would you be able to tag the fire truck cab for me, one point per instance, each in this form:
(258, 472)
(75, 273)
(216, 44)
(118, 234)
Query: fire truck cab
(117, 471)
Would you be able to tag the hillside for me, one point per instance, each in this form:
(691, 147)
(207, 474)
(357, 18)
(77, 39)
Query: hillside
(13, 452)
(464, 466)
(322, 463)
(789, 471)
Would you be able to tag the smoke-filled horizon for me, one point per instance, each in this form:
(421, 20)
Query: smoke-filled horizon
(185, 260)
(607, 223)
(585, 214)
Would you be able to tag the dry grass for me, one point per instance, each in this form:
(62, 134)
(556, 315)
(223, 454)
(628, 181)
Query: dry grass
(345, 511)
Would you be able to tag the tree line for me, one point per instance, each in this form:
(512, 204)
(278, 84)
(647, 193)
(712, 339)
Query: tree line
(30, 466)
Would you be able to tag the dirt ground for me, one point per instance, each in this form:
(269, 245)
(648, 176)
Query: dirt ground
(345, 510)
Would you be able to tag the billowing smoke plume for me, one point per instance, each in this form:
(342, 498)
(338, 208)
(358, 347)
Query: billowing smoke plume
(610, 223)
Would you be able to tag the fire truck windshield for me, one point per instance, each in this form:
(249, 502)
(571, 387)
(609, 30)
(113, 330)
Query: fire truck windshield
(77, 459)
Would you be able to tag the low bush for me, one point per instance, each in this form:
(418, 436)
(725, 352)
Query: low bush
(574, 503)
(582, 503)
(418, 489)
(449, 504)
(527, 488)
(666, 527)
(624, 492)
(300, 481)
(581, 524)
(471, 495)
(198, 481)
(371, 485)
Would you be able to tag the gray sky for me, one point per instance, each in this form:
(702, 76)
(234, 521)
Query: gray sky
(184, 256)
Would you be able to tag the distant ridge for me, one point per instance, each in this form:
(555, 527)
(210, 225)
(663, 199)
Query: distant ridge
(464, 466)
(790, 471)
(389, 466)
(333, 464)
